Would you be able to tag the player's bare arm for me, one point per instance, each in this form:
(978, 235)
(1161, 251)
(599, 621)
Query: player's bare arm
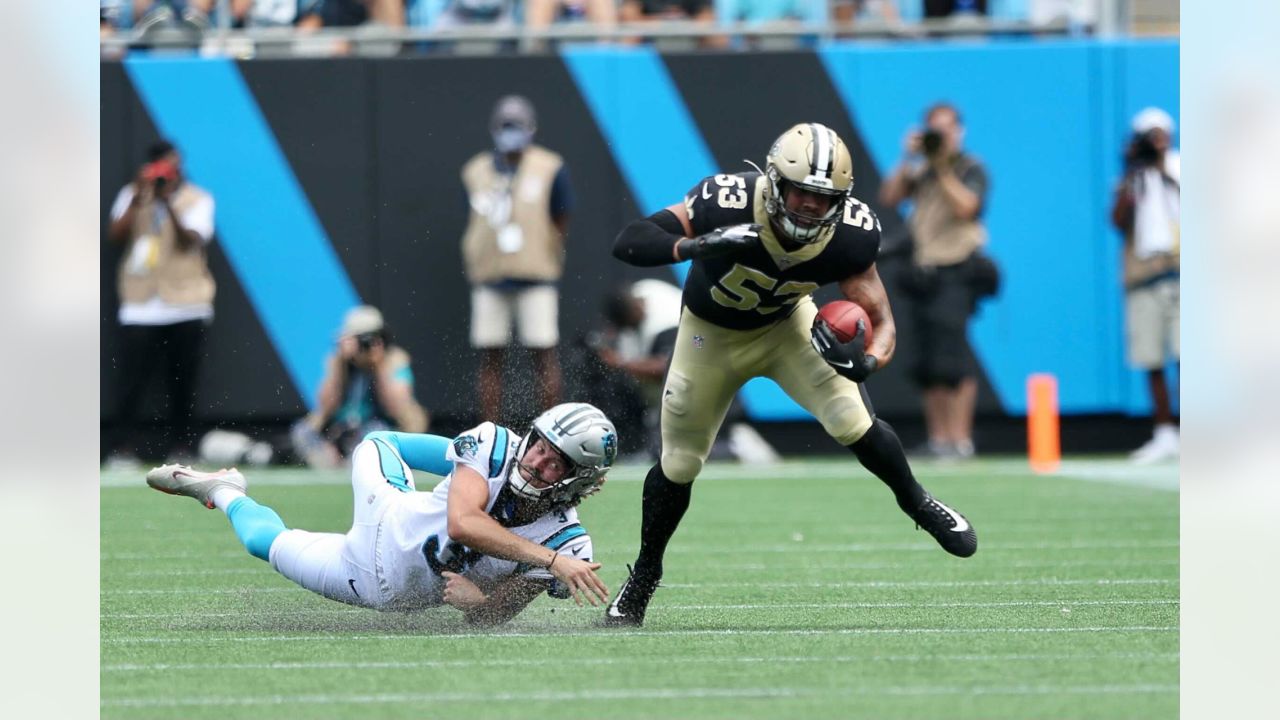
(470, 525)
(682, 214)
(499, 605)
(867, 290)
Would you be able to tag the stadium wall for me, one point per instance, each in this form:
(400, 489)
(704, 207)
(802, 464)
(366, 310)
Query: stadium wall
(337, 182)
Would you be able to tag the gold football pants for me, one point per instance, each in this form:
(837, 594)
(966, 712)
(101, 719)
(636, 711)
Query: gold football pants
(711, 363)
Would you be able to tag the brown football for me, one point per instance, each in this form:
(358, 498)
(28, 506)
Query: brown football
(843, 316)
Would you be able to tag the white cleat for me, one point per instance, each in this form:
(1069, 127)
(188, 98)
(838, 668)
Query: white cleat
(1163, 446)
(182, 480)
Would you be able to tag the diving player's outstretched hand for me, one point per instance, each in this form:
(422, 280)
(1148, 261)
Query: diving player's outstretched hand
(721, 241)
(581, 579)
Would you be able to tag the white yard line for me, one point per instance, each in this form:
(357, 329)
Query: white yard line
(416, 698)
(786, 564)
(805, 547)
(1157, 477)
(736, 567)
(352, 611)
(659, 660)
(604, 634)
(1025, 582)
(873, 605)
(1046, 582)
(637, 694)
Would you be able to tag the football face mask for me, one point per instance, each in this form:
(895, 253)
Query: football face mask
(584, 444)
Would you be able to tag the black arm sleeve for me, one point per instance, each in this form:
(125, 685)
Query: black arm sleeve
(647, 242)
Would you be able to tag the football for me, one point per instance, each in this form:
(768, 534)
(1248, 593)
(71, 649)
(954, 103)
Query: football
(842, 316)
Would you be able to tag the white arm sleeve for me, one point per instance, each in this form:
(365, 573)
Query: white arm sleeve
(123, 198)
(199, 217)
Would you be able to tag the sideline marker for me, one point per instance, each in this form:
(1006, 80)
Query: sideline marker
(1043, 442)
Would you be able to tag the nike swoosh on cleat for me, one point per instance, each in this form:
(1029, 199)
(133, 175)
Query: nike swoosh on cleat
(961, 523)
(845, 364)
(352, 583)
(613, 612)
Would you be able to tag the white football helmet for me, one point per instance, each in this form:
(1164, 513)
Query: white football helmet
(812, 157)
(585, 437)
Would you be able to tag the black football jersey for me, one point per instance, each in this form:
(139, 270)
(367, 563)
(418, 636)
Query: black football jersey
(755, 288)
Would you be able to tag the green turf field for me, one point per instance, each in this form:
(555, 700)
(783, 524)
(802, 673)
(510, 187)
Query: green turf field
(791, 592)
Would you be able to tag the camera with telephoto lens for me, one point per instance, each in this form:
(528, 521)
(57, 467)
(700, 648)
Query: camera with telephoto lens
(365, 341)
(160, 173)
(931, 142)
(1143, 151)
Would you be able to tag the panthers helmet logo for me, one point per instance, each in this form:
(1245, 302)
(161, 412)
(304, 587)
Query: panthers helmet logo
(610, 442)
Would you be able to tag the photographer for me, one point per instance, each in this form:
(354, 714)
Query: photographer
(367, 386)
(948, 187)
(1146, 210)
(163, 223)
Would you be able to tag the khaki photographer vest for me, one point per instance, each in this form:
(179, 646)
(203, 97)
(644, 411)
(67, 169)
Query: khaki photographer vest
(942, 238)
(541, 253)
(178, 277)
(1140, 271)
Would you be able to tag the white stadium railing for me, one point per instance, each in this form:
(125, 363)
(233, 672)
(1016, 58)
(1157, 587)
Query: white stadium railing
(382, 40)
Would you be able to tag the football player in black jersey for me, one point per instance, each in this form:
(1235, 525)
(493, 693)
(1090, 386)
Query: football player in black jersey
(760, 244)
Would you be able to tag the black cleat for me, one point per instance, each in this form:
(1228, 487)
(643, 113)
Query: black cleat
(952, 531)
(628, 607)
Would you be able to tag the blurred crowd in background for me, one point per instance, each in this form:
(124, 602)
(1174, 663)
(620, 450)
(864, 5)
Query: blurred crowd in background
(135, 19)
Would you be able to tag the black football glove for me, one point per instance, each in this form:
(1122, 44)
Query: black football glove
(849, 359)
(720, 241)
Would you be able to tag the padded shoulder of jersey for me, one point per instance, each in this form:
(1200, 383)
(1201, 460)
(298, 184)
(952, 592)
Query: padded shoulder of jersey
(721, 200)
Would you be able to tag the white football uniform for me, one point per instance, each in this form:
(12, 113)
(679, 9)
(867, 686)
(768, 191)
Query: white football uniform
(398, 545)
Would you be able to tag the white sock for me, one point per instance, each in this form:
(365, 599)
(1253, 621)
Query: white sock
(223, 496)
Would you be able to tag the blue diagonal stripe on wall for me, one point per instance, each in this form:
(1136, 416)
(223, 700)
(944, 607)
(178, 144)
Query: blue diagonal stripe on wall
(645, 122)
(660, 153)
(265, 224)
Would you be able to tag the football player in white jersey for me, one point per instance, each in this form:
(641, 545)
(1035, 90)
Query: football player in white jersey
(498, 531)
